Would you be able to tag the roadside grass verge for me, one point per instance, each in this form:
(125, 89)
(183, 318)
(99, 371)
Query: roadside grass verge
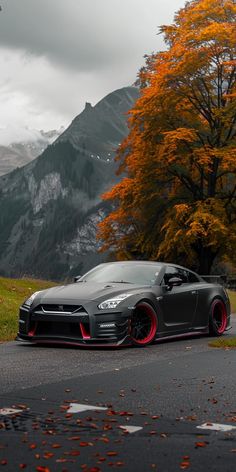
(12, 293)
(232, 296)
(224, 343)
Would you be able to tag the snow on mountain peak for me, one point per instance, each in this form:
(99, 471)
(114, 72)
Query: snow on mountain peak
(17, 134)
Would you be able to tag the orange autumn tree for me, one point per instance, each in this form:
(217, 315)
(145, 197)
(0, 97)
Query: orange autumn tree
(177, 198)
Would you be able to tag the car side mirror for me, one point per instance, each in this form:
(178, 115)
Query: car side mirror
(77, 278)
(174, 282)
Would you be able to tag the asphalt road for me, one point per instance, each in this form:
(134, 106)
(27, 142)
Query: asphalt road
(163, 396)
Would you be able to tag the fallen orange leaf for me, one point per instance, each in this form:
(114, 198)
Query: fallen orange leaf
(201, 444)
(185, 465)
(32, 446)
(40, 468)
(48, 455)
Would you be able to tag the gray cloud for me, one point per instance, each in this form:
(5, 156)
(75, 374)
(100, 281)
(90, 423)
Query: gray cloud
(55, 54)
(83, 34)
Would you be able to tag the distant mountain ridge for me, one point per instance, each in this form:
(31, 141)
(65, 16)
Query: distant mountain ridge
(26, 146)
(103, 127)
(49, 209)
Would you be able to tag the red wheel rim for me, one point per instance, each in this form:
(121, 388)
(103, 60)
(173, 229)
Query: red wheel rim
(219, 316)
(143, 325)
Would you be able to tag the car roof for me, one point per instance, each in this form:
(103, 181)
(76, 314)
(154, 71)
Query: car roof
(164, 264)
(137, 262)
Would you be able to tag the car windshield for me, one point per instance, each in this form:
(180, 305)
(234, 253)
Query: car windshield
(141, 274)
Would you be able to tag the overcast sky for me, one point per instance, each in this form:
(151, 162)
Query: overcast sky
(55, 55)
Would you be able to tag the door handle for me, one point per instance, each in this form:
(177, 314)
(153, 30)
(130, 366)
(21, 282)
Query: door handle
(193, 292)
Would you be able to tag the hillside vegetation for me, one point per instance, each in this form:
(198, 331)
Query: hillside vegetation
(14, 291)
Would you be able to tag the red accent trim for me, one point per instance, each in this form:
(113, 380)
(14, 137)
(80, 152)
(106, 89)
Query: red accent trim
(88, 346)
(223, 314)
(181, 336)
(84, 332)
(122, 343)
(33, 330)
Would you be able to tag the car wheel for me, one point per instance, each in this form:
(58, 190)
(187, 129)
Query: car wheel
(217, 318)
(143, 324)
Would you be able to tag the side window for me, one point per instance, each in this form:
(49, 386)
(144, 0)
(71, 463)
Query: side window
(183, 274)
(170, 272)
(192, 278)
(175, 272)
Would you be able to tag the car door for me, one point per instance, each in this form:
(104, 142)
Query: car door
(179, 303)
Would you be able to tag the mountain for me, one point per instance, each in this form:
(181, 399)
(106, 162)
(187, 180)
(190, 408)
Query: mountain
(22, 145)
(49, 209)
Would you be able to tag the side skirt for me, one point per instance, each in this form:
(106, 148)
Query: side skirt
(182, 335)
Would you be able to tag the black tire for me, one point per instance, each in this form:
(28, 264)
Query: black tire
(217, 318)
(144, 325)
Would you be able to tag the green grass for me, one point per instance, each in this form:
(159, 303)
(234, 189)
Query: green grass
(224, 343)
(12, 294)
(232, 296)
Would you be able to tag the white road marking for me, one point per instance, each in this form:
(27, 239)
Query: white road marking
(131, 429)
(9, 411)
(217, 427)
(79, 408)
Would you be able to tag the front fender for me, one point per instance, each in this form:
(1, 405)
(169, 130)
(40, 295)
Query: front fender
(153, 300)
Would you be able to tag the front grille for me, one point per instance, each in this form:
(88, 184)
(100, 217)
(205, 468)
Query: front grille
(62, 320)
(48, 328)
(60, 308)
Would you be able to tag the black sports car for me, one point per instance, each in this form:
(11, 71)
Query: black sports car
(122, 303)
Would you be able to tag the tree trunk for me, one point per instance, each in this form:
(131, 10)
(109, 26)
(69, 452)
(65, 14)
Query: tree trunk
(206, 258)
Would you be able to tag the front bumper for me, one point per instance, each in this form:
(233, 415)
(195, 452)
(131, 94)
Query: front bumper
(88, 327)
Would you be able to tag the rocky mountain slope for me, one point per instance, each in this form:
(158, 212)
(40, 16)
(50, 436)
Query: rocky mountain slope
(49, 209)
(18, 147)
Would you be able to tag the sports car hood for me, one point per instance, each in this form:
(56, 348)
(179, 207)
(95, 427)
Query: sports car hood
(86, 291)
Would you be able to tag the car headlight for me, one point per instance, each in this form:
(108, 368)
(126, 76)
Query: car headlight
(113, 302)
(30, 300)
